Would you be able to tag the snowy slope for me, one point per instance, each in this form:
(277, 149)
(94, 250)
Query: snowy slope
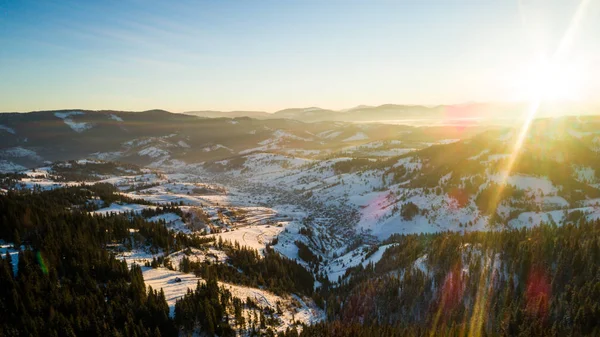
(76, 126)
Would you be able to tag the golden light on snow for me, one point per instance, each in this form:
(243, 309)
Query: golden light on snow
(549, 79)
(544, 83)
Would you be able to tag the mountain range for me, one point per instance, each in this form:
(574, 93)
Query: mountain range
(414, 114)
(30, 139)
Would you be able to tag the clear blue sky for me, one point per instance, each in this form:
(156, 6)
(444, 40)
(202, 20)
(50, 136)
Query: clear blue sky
(269, 55)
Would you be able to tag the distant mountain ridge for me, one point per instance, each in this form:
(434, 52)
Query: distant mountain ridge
(229, 114)
(394, 112)
(154, 136)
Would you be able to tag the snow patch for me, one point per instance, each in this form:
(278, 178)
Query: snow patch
(216, 147)
(121, 208)
(329, 134)
(75, 126)
(107, 155)
(356, 137)
(7, 166)
(14, 254)
(479, 155)
(7, 129)
(256, 237)
(19, 152)
(584, 174)
(116, 118)
(523, 182)
(153, 152)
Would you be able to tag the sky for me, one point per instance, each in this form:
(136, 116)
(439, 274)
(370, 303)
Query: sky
(270, 55)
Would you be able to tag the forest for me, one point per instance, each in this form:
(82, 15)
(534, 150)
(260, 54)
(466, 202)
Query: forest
(68, 283)
(542, 281)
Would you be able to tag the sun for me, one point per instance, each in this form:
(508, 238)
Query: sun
(548, 81)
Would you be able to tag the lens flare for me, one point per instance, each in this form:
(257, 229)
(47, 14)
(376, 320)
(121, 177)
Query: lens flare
(451, 295)
(538, 293)
(42, 263)
(538, 95)
(480, 307)
(538, 288)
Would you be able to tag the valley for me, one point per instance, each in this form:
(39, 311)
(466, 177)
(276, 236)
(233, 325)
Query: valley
(336, 200)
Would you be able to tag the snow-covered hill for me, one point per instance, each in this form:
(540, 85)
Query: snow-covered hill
(329, 196)
(158, 138)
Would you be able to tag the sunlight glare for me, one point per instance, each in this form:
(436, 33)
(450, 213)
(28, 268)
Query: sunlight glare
(550, 81)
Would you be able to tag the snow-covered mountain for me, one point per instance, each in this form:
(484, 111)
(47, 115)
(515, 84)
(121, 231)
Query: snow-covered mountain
(156, 137)
(452, 185)
(331, 196)
(378, 179)
(398, 179)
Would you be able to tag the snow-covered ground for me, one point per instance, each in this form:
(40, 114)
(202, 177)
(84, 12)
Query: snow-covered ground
(275, 192)
(7, 129)
(296, 309)
(196, 255)
(116, 118)
(14, 254)
(356, 137)
(172, 221)
(530, 219)
(121, 208)
(337, 267)
(76, 126)
(8, 166)
(256, 237)
(523, 182)
(153, 152)
(20, 152)
(329, 134)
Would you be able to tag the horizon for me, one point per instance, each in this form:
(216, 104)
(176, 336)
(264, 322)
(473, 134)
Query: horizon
(561, 105)
(269, 56)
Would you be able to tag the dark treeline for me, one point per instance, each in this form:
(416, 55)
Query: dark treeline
(543, 281)
(10, 180)
(67, 284)
(361, 164)
(306, 254)
(245, 266)
(205, 307)
(344, 329)
(150, 212)
(25, 212)
(213, 309)
(91, 170)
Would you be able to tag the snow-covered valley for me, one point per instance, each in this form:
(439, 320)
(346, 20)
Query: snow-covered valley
(332, 210)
